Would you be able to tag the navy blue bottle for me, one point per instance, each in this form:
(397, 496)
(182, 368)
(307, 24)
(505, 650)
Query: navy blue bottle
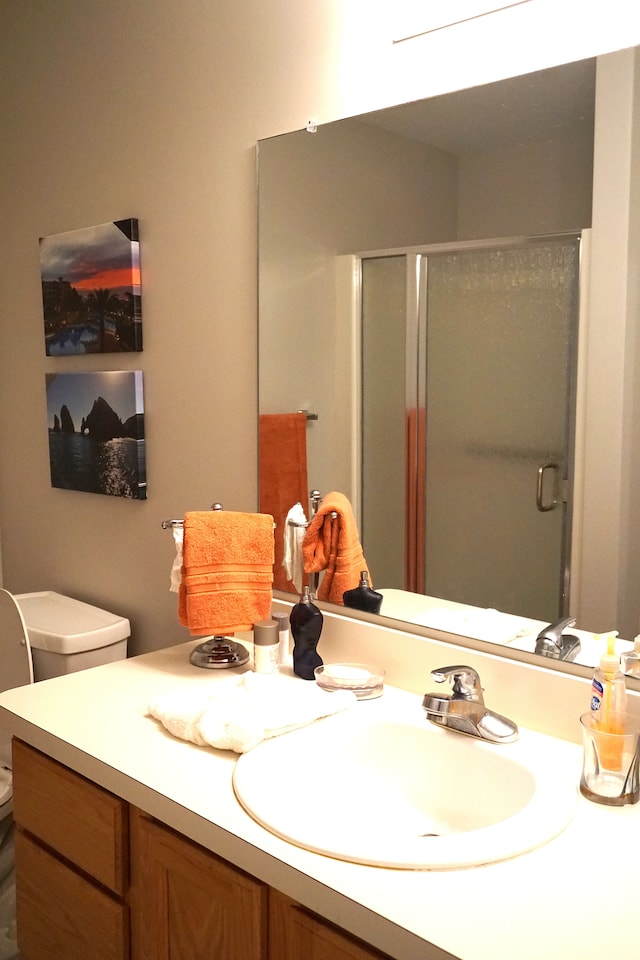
(363, 597)
(306, 626)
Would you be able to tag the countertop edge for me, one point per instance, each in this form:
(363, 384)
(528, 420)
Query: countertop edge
(347, 913)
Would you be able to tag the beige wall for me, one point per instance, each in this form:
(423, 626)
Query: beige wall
(317, 202)
(151, 109)
(492, 201)
(609, 587)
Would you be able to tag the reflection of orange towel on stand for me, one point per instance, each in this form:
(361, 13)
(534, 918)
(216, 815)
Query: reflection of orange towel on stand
(227, 571)
(283, 477)
(333, 545)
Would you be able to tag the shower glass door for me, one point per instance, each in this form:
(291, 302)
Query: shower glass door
(491, 350)
(501, 327)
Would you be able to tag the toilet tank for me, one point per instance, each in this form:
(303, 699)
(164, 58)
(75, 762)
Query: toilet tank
(67, 635)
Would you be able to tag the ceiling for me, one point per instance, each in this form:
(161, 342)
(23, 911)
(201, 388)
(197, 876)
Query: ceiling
(535, 106)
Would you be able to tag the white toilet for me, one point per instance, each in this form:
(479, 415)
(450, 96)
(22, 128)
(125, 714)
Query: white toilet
(15, 670)
(43, 635)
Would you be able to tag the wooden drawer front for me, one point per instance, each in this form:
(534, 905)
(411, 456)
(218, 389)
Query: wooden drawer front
(187, 904)
(61, 915)
(84, 823)
(296, 934)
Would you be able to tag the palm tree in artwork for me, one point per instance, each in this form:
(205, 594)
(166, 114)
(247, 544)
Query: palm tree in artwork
(103, 302)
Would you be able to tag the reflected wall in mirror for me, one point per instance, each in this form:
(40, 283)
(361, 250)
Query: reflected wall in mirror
(353, 219)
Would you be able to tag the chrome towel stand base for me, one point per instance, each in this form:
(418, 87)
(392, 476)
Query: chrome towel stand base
(218, 652)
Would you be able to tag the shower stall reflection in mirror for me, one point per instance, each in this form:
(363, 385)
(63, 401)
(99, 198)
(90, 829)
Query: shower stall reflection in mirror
(467, 384)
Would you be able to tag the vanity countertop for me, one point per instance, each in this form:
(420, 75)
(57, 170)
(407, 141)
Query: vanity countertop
(518, 633)
(546, 903)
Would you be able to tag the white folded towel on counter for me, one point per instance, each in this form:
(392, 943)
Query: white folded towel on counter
(242, 711)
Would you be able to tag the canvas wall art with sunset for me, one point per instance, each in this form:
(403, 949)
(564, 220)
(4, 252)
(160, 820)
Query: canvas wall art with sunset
(91, 290)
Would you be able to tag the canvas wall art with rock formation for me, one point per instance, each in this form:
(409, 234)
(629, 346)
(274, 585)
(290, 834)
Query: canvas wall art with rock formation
(91, 290)
(96, 432)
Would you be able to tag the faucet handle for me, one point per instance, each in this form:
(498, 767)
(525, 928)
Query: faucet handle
(554, 630)
(550, 640)
(465, 682)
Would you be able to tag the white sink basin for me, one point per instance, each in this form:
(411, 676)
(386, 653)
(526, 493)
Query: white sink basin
(372, 790)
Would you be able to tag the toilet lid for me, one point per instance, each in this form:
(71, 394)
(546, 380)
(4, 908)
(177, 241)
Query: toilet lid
(16, 668)
(15, 652)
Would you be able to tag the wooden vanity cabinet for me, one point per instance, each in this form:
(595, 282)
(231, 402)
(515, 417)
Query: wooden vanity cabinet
(97, 879)
(72, 871)
(188, 904)
(297, 934)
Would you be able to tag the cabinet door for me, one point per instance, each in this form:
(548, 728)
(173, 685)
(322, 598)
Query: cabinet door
(296, 934)
(187, 904)
(61, 915)
(78, 819)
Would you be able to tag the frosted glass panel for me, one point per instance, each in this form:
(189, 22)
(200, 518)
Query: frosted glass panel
(383, 417)
(499, 388)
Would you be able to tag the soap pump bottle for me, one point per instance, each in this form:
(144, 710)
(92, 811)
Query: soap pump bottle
(306, 625)
(631, 660)
(608, 689)
(363, 597)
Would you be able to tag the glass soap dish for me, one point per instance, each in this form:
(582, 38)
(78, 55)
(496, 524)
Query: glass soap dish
(361, 678)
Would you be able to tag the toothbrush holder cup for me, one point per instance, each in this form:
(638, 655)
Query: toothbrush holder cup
(611, 758)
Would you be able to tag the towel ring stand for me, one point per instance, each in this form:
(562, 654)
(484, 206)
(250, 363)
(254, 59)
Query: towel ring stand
(315, 499)
(215, 652)
(170, 524)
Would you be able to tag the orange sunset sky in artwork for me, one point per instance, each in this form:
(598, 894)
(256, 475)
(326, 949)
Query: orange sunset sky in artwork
(115, 277)
(101, 257)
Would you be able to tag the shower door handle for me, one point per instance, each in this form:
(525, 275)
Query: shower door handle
(540, 504)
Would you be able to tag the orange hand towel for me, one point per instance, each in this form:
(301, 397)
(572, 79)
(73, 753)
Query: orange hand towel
(334, 545)
(227, 571)
(283, 477)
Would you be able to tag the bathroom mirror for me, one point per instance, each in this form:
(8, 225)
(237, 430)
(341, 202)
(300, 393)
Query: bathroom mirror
(509, 160)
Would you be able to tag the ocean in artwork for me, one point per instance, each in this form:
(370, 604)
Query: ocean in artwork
(115, 467)
(96, 432)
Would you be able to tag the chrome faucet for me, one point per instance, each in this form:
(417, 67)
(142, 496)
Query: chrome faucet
(551, 642)
(463, 709)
